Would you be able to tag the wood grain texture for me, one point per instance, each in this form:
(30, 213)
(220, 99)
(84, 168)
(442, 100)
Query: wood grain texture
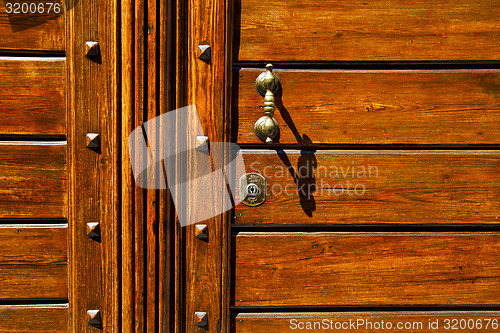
(206, 86)
(33, 180)
(151, 221)
(34, 318)
(404, 321)
(33, 262)
(32, 96)
(330, 269)
(134, 292)
(147, 252)
(33, 32)
(388, 30)
(94, 107)
(166, 275)
(374, 106)
(374, 187)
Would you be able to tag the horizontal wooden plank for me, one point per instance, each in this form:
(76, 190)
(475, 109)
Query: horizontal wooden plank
(471, 321)
(368, 30)
(33, 262)
(33, 180)
(38, 30)
(374, 106)
(32, 96)
(374, 187)
(350, 269)
(34, 318)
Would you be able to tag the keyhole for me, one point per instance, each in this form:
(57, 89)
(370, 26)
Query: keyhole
(252, 189)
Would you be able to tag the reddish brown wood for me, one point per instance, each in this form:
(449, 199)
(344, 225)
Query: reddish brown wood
(167, 305)
(302, 30)
(375, 107)
(33, 180)
(329, 269)
(418, 322)
(141, 206)
(33, 32)
(387, 187)
(206, 86)
(128, 185)
(152, 222)
(33, 262)
(34, 318)
(32, 96)
(94, 107)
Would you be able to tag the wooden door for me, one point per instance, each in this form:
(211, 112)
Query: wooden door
(381, 189)
(382, 196)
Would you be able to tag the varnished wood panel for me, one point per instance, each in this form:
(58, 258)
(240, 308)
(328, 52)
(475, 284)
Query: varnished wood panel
(33, 262)
(374, 187)
(203, 272)
(33, 180)
(304, 30)
(134, 292)
(151, 255)
(32, 96)
(93, 107)
(375, 107)
(32, 31)
(34, 318)
(330, 269)
(166, 253)
(366, 321)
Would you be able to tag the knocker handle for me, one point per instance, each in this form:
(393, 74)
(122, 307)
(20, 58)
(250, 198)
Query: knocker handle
(267, 84)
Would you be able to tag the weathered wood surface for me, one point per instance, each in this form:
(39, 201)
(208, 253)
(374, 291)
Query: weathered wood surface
(404, 321)
(94, 107)
(33, 262)
(334, 269)
(32, 96)
(34, 318)
(374, 30)
(374, 187)
(374, 106)
(33, 180)
(32, 31)
(206, 86)
(134, 293)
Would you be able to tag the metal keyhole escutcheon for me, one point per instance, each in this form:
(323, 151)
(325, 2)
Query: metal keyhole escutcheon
(252, 189)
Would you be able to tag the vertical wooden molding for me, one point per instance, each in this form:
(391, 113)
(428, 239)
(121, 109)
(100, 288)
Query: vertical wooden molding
(228, 22)
(181, 35)
(140, 218)
(134, 207)
(205, 85)
(128, 184)
(93, 94)
(151, 231)
(147, 92)
(166, 215)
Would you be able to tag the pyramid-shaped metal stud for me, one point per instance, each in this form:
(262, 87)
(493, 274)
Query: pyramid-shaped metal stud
(205, 53)
(94, 318)
(202, 144)
(94, 142)
(94, 231)
(201, 231)
(201, 319)
(92, 50)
